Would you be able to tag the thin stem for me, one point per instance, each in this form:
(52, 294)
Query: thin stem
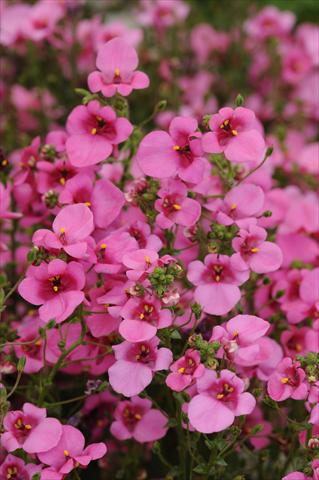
(15, 385)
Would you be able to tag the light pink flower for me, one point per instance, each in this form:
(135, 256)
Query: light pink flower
(135, 363)
(94, 130)
(270, 22)
(71, 228)
(70, 451)
(185, 371)
(219, 401)
(137, 419)
(117, 62)
(56, 286)
(236, 133)
(30, 429)
(140, 263)
(216, 283)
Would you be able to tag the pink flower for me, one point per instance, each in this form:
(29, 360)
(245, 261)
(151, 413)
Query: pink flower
(117, 62)
(163, 155)
(254, 252)
(140, 262)
(30, 429)
(239, 339)
(15, 468)
(216, 283)
(137, 419)
(94, 130)
(42, 20)
(270, 22)
(135, 363)
(162, 13)
(110, 251)
(241, 205)
(104, 199)
(236, 133)
(55, 286)
(175, 207)
(287, 381)
(185, 371)
(219, 401)
(142, 317)
(72, 227)
(5, 210)
(70, 453)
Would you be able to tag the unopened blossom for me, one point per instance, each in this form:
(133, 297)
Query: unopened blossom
(137, 419)
(219, 400)
(30, 429)
(117, 62)
(56, 286)
(185, 371)
(135, 364)
(93, 131)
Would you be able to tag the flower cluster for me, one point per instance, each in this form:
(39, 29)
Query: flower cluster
(160, 278)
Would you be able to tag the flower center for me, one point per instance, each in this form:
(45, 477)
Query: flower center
(226, 391)
(12, 472)
(20, 425)
(227, 128)
(217, 272)
(56, 283)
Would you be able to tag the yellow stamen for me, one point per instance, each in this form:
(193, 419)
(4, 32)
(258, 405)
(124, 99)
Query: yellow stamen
(284, 380)
(176, 206)
(298, 347)
(220, 396)
(88, 204)
(233, 206)
(55, 288)
(217, 278)
(254, 250)
(176, 147)
(66, 453)
(141, 316)
(181, 370)
(103, 246)
(28, 426)
(4, 162)
(117, 72)
(62, 181)
(38, 342)
(235, 334)
(143, 348)
(234, 132)
(147, 259)
(226, 122)
(62, 230)
(138, 416)
(93, 131)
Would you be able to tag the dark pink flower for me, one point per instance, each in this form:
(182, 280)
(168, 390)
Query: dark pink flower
(117, 62)
(30, 429)
(14, 468)
(289, 380)
(219, 401)
(137, 419)
(185, 371)
(236, 133)
(94, 130)
(56, 286)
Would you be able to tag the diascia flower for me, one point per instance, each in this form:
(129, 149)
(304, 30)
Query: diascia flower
(289, 380)
(15, 468)
(137, 419)
(30, 429)
(71, 228)
(135, 364)
(93, 131)
(219, 401)
(216, 283)
(117, 62)
(236, 133)
(185, 371)
(162, 154)
(56, 286)
(70, 452)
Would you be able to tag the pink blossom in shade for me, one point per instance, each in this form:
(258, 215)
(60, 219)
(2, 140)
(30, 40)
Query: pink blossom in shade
(162, 14)
(297, 476)
(117, 62)
(175, 207)
(270, 22)
(205, 39)
(56, 286)
(239, 338)
(135, 418)
(299, 341)
(30, 429)
(163, 155)
(309, 291)
(42, 20)
(289, 380)
(14, 468)
(141, 231)
(236, 133)
(219, 401)
(140, 263)
(135, 364)
(274, 354)
(185, 371)
(297, 246)
(261, 439)
(104, 199)
(70, 452)
(52, 176)
(110, 251)
(142, 317)
(241, 205)
(216, 282)
(5, 199)
(94, 130)
(308, 161)
(71, 228)
(295, 64)
(314, 416)
(255, 252)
